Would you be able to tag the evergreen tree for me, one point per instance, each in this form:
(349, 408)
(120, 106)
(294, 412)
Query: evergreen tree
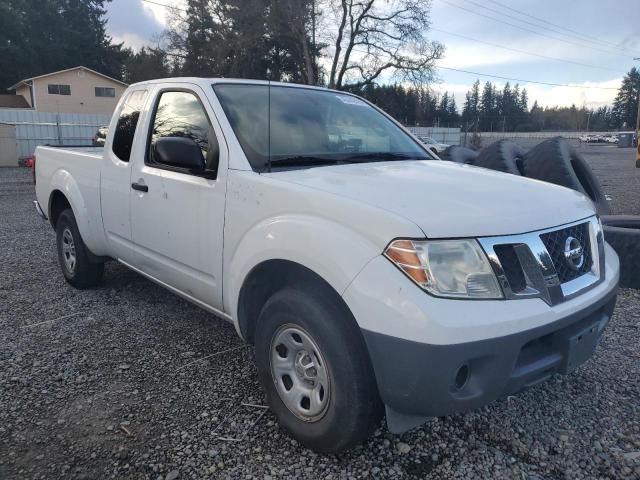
(200, 42)
(524, 101)
(453, 117)
(147, 64)
(487, 107)
(625, 106)
(39, 37)
(471, 108)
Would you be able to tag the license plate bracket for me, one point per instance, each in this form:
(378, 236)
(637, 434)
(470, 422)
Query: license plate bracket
(580, 346)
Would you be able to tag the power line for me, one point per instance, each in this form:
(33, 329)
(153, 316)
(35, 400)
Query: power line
(481, 41)
(172, 7)
(526, 81)
(553, 30)
(529, 30)
(575, 32)
(522, 51)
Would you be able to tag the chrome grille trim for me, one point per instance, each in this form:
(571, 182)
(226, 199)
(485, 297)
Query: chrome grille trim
(540, 273)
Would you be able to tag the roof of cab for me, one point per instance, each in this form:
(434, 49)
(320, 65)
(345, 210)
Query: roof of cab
(204, 82)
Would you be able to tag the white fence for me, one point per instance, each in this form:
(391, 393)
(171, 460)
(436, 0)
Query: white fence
(450, 136)
(524, 139)
(41, 128)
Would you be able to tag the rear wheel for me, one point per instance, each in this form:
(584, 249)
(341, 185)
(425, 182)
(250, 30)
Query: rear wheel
(315, 369)
(73, 256)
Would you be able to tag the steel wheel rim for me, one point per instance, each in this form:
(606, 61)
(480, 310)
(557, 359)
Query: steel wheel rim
(68, 250)
(300, 373)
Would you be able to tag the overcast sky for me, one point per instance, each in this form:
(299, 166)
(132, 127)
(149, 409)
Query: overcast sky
(591, 42)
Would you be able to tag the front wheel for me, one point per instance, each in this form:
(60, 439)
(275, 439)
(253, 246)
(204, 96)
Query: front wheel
(73, 254)
(315, 369)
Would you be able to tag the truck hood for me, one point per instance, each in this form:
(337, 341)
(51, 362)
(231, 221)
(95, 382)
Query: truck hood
(446, 199)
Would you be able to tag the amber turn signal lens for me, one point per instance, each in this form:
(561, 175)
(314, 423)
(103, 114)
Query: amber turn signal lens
(404, 254)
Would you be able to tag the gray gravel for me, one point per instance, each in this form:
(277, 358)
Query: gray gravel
(120, 382)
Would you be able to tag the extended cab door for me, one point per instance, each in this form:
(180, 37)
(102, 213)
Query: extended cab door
(177, 217)
(115, 172)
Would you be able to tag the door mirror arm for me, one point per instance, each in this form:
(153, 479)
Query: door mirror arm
(209, 174)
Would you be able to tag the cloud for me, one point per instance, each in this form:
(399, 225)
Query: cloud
(133, 22)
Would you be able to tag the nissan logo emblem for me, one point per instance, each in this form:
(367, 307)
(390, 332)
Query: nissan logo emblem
(573, 253)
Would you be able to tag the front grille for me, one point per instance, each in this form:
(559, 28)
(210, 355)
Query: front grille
(555, 244)
(511, 267)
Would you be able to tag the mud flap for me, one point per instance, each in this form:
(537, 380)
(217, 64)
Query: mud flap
(399, 422)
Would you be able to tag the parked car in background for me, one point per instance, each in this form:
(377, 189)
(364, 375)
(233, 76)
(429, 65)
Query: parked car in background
(370, 276)
(611, 138)
(100, 137)
(594, 138)
(432, 145)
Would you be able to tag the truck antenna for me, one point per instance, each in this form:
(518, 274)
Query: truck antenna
(269, 126)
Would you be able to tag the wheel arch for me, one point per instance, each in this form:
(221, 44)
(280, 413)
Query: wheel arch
(58, 203)
(65, 192)
(267, 278)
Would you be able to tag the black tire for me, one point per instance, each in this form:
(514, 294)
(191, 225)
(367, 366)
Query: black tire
(458, 154)
(83, 273)
(503, 155)
(626, 221)
(622, 232)
(556, 161)
(353, 407)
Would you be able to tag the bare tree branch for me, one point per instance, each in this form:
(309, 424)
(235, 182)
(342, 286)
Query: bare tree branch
(377, 39)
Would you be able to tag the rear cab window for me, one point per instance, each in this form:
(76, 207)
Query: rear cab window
(127, 123)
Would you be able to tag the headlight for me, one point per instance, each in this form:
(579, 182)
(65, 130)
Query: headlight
(446, 268)
(600, 228)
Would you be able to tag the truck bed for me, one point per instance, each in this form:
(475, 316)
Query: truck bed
(76, 172)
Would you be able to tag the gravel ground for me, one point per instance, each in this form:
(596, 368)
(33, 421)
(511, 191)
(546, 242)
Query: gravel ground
(122, 381)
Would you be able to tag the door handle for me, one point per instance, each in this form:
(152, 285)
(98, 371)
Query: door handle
(139, 187)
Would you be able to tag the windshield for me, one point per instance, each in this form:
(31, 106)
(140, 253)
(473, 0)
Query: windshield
(301, 126)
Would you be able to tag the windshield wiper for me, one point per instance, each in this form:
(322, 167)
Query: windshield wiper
(380, 156)
(362, 157)
(296, 160)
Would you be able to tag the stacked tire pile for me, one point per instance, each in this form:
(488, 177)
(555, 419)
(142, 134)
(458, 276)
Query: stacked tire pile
(556, 161)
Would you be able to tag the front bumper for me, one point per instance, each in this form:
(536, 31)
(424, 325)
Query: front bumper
(433, 380)
(434, 356)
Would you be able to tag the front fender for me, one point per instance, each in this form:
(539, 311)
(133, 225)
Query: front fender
(331, 250)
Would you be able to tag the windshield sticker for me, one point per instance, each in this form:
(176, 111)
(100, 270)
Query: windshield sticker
(351, 100)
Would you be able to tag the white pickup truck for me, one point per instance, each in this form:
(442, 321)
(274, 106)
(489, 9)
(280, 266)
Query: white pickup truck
(370, 277)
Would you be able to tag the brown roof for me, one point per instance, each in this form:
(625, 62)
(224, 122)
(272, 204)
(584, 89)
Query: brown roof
(27, 80)
(13, 101)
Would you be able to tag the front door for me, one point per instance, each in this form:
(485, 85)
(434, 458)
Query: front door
(177, 218)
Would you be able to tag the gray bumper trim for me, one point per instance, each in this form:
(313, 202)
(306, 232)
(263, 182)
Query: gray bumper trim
(418, 380)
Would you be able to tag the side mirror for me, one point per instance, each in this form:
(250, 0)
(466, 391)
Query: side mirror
(179, 152)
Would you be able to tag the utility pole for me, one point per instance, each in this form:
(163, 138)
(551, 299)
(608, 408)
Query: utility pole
(313, 23)
(638, 125)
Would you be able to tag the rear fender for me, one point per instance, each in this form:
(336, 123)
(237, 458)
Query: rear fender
(87, 214)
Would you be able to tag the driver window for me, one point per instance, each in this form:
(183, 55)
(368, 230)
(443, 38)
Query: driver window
(180, 114)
